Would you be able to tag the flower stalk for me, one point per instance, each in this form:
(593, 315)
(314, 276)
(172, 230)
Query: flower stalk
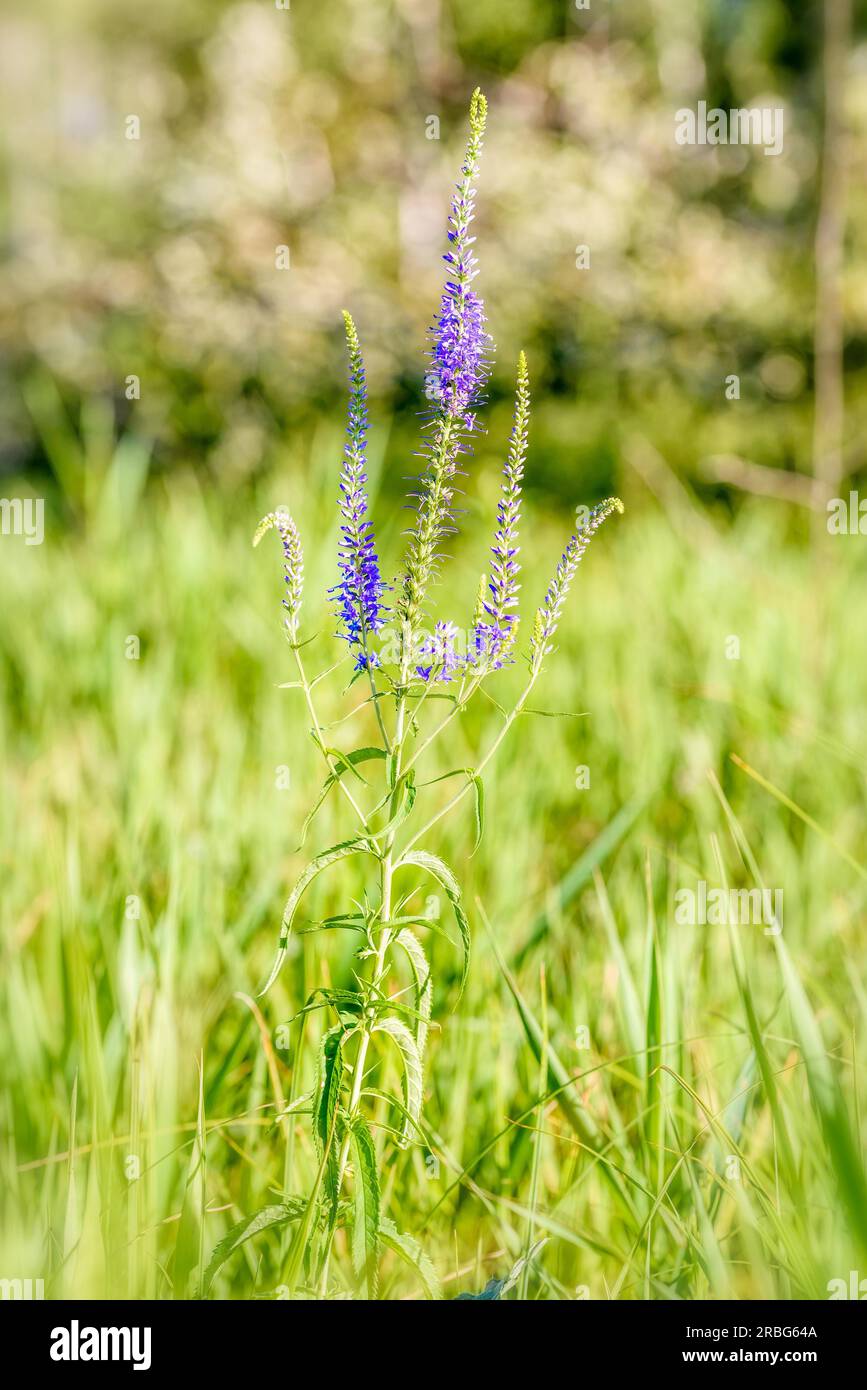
(374, 1018)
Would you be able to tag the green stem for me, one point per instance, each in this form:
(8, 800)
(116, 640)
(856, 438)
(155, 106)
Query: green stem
(458, 796)
(303, 1236)
(375, 697)
(374, 693)
(305, 685)
(387, 865)
(461, 702)
(385, 877)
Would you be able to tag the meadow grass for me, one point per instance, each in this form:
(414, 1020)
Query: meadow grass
(656, 1110)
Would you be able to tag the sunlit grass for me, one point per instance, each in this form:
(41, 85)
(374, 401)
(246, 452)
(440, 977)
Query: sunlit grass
(699, 1131)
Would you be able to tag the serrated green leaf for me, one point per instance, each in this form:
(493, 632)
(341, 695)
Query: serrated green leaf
(344, 760)
(405, 805)
(412, 1070)
(365, 1229)
(344, 921)
(423, 985)
(359, 845)
(444, 876)
(409, 1250)
(308, 819)
(329, 1079)
(389, 1098)
(280, 1214)
(334, 998)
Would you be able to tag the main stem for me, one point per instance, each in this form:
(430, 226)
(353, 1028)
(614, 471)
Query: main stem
(458, 796)
(386, 871)
(311, 709)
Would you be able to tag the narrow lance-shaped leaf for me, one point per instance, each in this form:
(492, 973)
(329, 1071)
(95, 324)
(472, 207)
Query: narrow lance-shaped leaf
(407, 801)
(365, 1232)
(329, 1081)
(412, 1071)
(444, 876)
(280, 1214)
(409, 1250)
(322, 998)
(479, 808)
(423, 986)
(343, 760)
(478, 797)
(329, 856)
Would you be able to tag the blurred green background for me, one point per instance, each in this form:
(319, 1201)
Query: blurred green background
(148, 841)
(309, 128)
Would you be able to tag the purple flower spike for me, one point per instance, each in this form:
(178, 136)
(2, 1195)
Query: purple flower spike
(460, 341)
(293, 563)
(358, 595)
(495, 625)
(459, 356)
(440, 650)
(548, 616)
